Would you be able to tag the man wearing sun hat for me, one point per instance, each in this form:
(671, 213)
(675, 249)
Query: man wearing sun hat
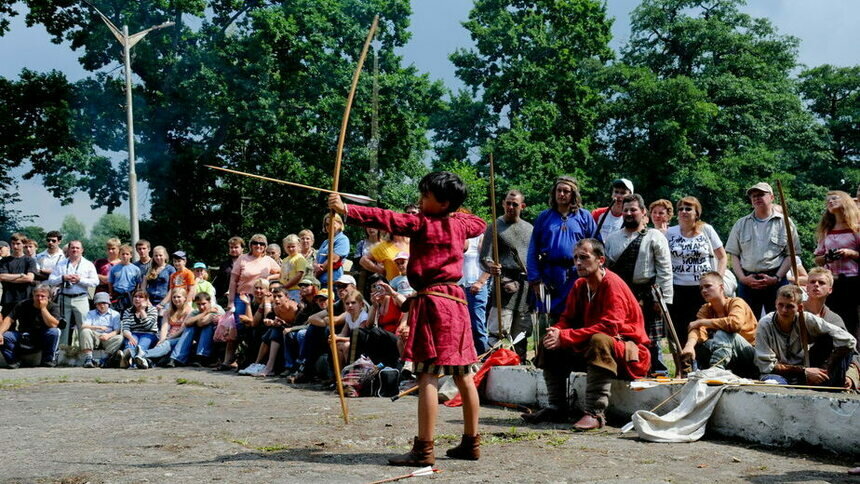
(758, 245)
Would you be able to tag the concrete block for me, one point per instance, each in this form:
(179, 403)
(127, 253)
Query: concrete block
(779, 417)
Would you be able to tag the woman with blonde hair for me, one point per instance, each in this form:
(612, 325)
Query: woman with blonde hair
(696, 249)
(171, 330)
(838, 249)
(157, 280)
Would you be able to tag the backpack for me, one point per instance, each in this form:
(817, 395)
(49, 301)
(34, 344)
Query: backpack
(386, 383)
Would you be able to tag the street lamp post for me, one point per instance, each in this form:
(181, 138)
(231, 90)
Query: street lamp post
(129, 41)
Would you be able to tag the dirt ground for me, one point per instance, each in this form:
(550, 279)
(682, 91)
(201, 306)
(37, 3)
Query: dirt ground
(74, 425)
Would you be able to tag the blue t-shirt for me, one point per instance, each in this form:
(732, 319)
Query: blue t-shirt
(158, 287)
(124, 278)
(341, 248)
(401, 285)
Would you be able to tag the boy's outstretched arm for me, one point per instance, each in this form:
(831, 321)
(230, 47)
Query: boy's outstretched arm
(336, 203)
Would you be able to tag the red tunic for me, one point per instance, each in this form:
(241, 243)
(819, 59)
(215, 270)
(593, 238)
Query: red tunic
(613, 311)
(440, 331)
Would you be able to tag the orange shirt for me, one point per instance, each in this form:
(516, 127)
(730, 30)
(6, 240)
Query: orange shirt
(184, 279)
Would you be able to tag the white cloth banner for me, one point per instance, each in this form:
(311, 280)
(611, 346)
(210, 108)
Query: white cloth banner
(687, 421)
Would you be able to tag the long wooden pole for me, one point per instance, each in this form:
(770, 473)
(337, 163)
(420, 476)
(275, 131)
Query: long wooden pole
(334, 187)
(497, 280)
(801, 318)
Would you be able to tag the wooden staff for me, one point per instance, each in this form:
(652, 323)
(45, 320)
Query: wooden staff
(801, 318)
(349, 196)
(334, 187)
(404, 393)
(497, 280)
(674, 342)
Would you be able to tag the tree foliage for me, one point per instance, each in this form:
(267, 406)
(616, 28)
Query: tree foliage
(703, 103)
(532, 102)
(254, 86)
(833, 96)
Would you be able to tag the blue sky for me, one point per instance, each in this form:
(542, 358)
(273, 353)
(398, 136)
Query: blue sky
(827, 30)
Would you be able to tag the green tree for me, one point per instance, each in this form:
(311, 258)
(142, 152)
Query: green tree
(73, 229)
(43, 130)
(534, 103)
(253, 86)
(833, 95)
(110, 225)
(703, 103)
(34, 232)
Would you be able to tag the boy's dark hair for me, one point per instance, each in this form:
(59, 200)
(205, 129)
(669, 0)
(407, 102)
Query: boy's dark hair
(202, 296)
(446, 187)
(54, 234)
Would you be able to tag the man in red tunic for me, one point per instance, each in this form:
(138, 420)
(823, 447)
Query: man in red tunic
(601, 328)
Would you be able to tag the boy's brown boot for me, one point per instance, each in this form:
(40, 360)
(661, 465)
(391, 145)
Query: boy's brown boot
(420, 455)
(469, 448)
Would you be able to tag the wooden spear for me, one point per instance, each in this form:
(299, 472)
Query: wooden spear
(334, 187)
(801, 318)
(497, 280)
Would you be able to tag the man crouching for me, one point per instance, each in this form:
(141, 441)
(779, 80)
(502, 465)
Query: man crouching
(602, 330)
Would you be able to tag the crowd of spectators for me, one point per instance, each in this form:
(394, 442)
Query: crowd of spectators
(733, 305)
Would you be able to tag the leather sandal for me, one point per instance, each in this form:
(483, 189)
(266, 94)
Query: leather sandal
(420, 455)
(469, 448)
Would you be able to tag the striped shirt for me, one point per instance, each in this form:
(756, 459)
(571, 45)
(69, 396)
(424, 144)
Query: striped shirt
(134, 324)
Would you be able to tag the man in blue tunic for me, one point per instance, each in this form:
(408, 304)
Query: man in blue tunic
(556, 232)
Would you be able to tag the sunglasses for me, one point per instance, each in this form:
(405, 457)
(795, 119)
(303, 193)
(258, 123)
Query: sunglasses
(686, 209)
(52, 240)
(258, 243)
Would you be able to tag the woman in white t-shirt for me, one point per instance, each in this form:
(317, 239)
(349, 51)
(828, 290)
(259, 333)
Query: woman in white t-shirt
(696, 249)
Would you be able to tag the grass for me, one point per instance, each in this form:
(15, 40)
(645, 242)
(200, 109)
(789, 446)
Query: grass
(7, 384)
(185, 381)
(261, 448)
(557, 441)
(513, 435)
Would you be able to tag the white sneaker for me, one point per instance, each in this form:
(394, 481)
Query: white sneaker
(141, 362)
(252, 368)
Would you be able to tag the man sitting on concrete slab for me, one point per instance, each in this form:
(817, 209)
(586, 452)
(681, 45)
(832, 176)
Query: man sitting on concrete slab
(602, 330)
(723, 333)
(779, 352)
(101, 328)
(819, 285)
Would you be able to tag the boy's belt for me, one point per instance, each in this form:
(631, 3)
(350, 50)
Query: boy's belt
(428, 292)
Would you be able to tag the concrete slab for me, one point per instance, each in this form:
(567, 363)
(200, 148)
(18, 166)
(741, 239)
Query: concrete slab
(779, 417)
